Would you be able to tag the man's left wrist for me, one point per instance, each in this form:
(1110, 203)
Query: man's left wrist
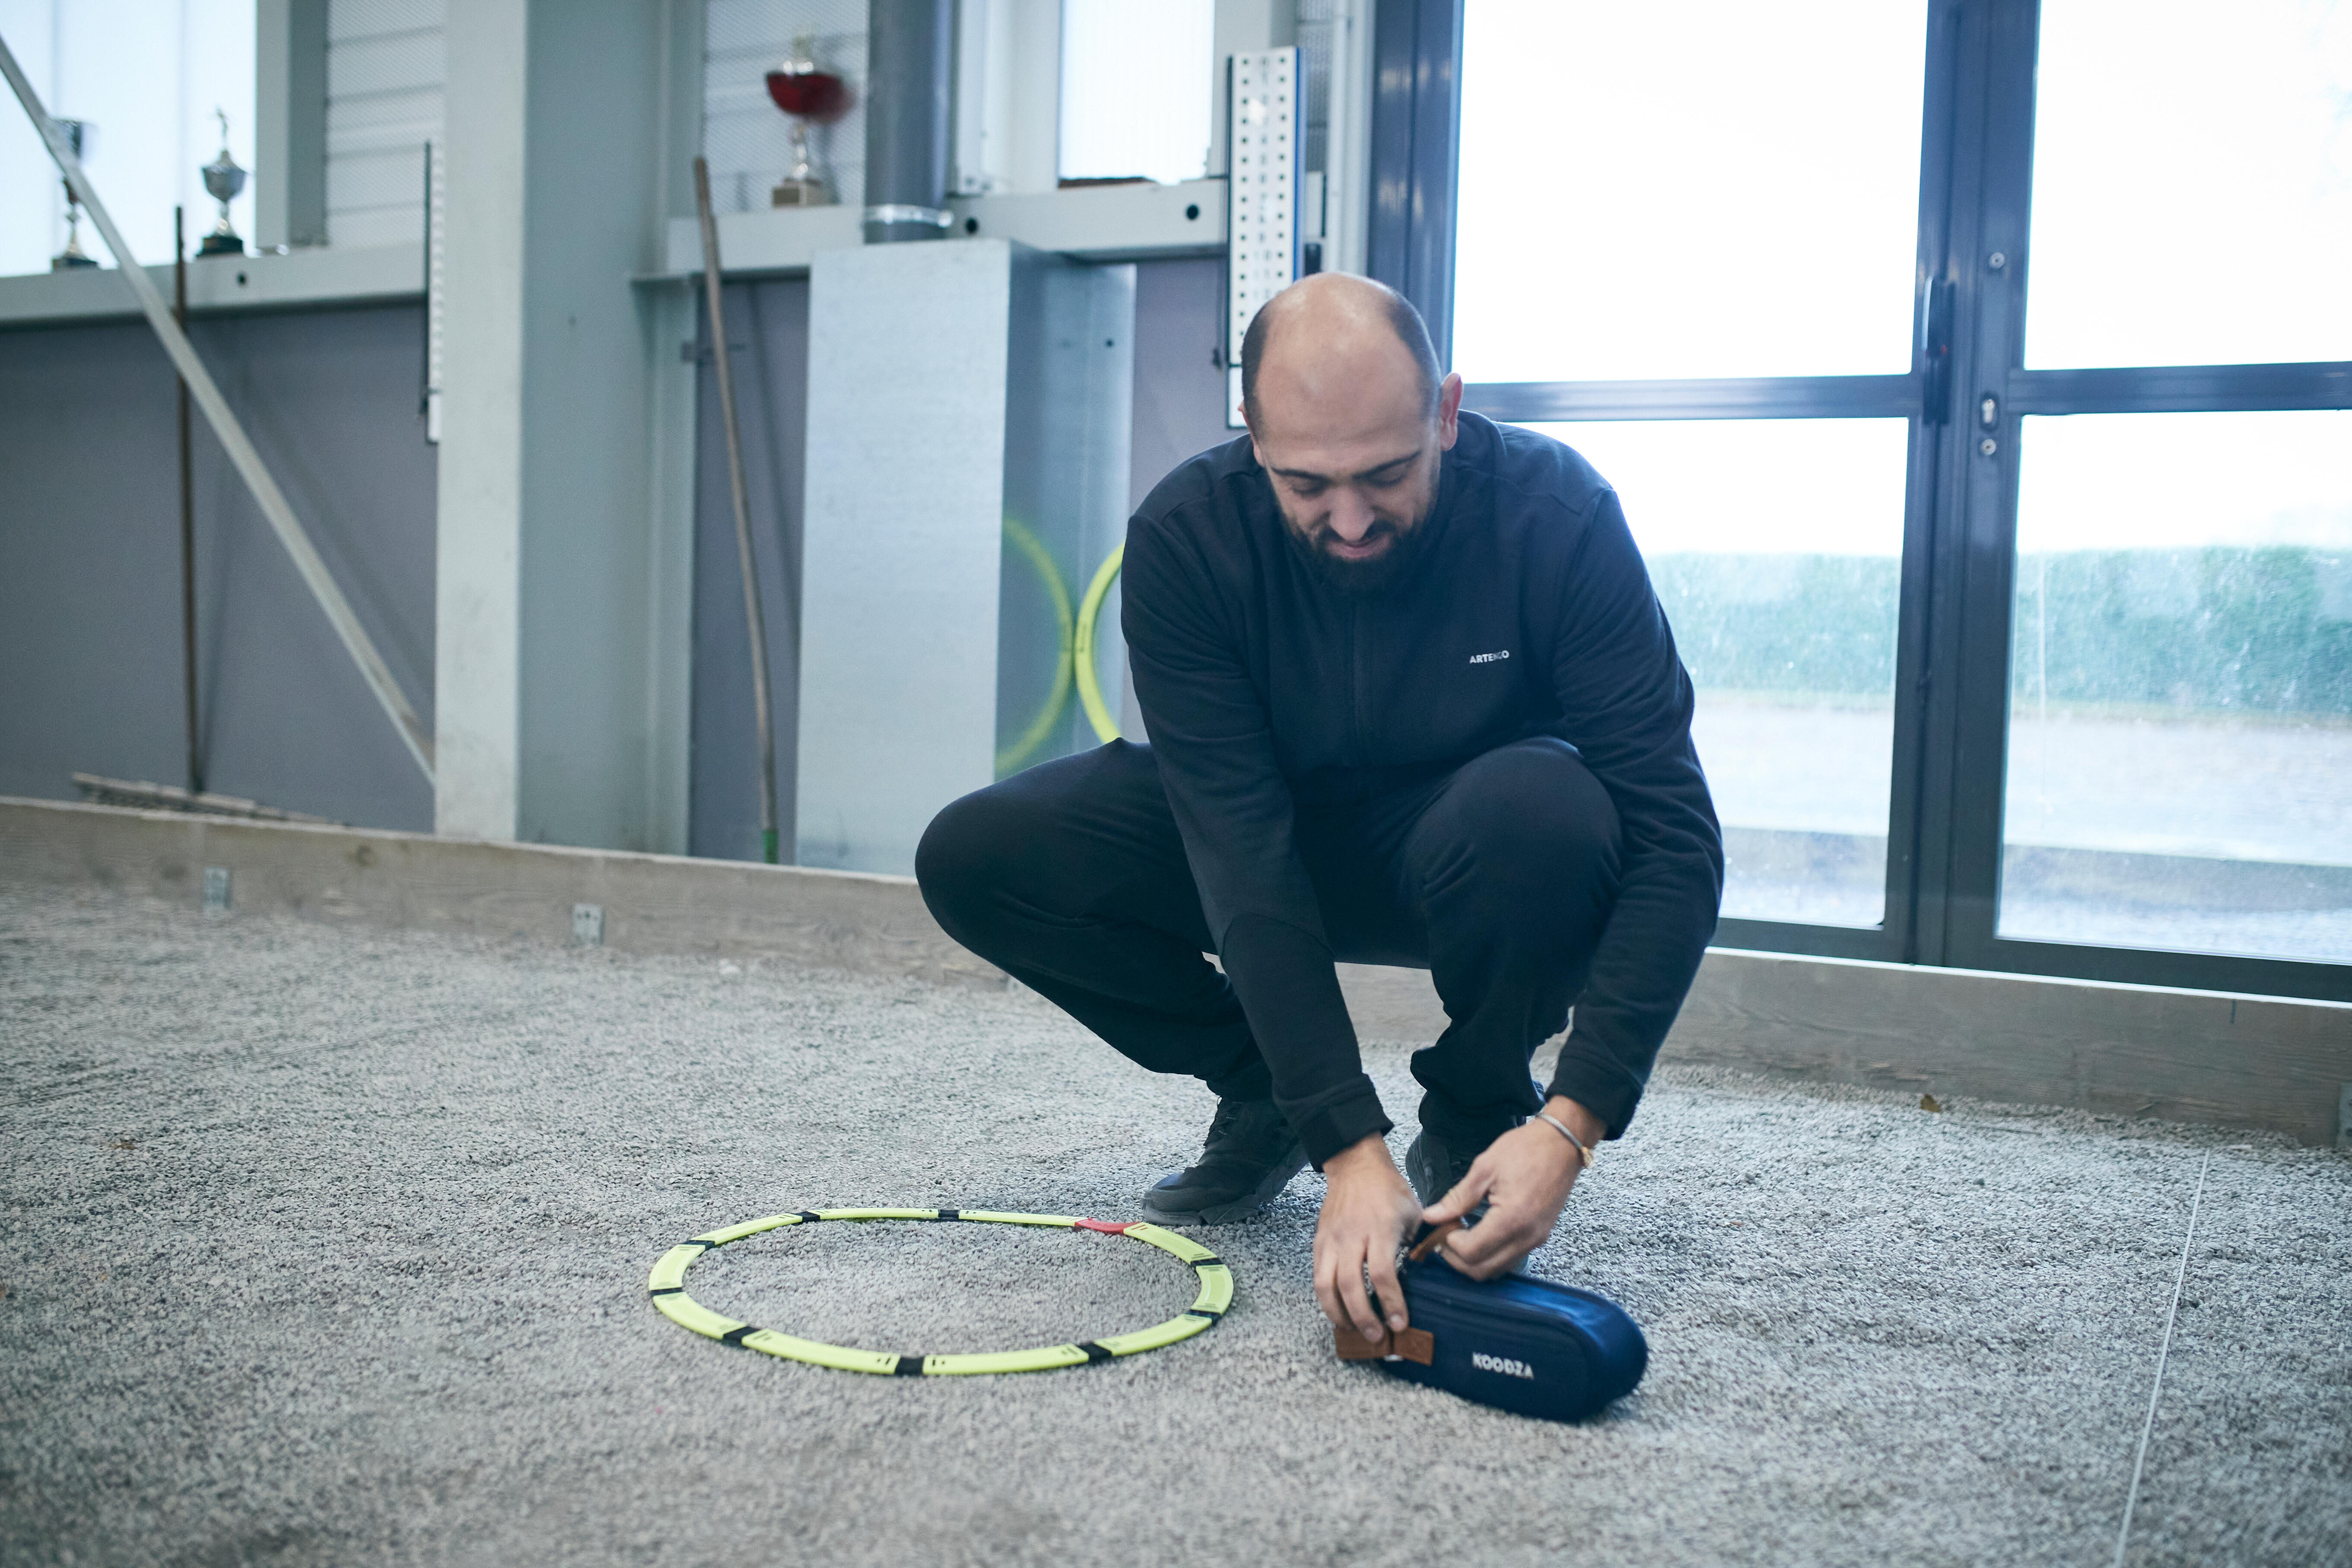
(1587, 1126)
(1579, 1130)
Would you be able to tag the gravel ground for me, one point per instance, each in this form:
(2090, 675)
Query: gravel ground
(328, 1246)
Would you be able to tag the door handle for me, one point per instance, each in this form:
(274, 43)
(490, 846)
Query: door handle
(1935, 352)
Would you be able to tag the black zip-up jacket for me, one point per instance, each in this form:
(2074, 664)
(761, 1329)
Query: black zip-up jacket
(1263, 688)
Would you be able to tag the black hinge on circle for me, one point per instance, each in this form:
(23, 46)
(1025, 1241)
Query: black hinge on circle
(1935, 403)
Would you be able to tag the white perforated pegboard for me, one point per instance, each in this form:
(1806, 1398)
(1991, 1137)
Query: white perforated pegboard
(436, 281)
(1262, 193)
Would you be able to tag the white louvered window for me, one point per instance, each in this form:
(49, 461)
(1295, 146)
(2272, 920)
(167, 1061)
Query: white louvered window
(387, 63)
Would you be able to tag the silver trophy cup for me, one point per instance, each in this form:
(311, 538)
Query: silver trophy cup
(72, 255)
(222, 181)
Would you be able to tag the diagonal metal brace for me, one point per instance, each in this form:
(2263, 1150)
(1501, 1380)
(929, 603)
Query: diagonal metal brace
(250, 466)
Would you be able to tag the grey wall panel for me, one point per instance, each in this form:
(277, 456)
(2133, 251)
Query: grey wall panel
(902, 542)
(1178, 409)
(1180, 384)
(89, 560)
(768, 339)
(90, 617)
(1179, 400)
(1070, 379)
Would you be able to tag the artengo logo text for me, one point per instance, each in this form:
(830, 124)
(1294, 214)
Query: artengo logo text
(1489, 658)
(1503, 1364)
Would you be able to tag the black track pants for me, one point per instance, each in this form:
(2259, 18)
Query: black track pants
(1496, 877)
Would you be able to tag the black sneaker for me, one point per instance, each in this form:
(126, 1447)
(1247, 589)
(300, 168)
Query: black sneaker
(1250, 1156)
(1435, 1168)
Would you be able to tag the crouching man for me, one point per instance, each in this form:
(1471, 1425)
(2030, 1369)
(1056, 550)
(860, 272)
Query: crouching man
(1411, 701)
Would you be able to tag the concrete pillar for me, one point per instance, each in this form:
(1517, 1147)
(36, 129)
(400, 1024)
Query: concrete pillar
(954, 389)
(289, 175)
(551, 520)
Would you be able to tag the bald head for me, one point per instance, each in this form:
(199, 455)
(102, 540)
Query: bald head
(1350, 423)
(1337, 335)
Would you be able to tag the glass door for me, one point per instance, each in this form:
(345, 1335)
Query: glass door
(1977, 377)
(2157, 725)
(1697, 250)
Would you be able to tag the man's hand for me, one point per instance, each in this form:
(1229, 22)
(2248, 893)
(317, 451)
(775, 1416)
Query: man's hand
(1526, 1175)
(1367, 1209)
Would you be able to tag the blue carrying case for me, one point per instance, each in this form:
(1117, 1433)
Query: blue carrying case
(1521, 1344)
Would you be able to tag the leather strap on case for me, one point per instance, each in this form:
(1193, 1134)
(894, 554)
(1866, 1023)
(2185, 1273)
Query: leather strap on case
(1412, 1345)
(1431, 1238)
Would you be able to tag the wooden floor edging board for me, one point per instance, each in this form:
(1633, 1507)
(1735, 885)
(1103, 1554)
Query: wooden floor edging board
(2134, 1050)
(651, 903)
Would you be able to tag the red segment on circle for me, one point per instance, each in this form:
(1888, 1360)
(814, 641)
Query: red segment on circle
(1107, 1227)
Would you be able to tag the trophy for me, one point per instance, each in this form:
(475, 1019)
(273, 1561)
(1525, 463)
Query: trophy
(810, 94)
(72, 255)
(223, 180)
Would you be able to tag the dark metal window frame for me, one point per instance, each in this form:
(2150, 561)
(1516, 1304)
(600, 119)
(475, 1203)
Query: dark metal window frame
(1952, 675)
(1416, 136)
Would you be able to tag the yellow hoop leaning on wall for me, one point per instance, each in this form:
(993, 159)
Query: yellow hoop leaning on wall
(1091, 696)
(1034, 549)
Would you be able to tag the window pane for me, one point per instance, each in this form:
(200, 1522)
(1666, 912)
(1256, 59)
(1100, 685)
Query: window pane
(1137, 86)
(144, 79)
(1782, 597)
(1711, 189)
(2192, 183)
(2180, 696)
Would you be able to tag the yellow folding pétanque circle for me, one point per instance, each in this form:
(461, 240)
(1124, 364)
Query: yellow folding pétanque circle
(667, 1287)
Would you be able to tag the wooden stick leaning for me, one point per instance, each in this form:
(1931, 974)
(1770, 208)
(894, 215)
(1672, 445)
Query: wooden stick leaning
(753, 619)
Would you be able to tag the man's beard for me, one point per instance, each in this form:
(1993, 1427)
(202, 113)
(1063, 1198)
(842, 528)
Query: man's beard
(1360, 579)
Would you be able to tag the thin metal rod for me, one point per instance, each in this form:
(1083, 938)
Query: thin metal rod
(753, 619)
(2131, 1498)
(217, 414)
(187, 510)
